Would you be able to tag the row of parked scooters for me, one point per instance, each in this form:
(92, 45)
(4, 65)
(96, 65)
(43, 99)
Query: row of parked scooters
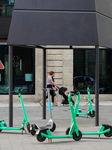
(71, 132)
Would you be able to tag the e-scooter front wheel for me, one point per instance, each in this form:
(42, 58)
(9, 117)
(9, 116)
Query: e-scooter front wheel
(92, 114)
(75, 137)
(40, 138)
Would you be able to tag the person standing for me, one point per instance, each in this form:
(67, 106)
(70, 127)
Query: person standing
(52, 85)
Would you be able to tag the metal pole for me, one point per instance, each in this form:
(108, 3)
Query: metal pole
(97, 87)
(49, 100)
(10, 86)
(44, 83)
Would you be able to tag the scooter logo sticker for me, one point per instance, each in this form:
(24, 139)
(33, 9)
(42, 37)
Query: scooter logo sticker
(1, 65)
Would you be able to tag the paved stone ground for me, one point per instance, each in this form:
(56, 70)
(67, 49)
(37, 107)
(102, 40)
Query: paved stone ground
(14, 140)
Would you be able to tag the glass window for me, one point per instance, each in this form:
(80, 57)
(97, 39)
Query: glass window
(84, 67)
(6, 7)
(4, 73)
(23, 68)
(11, 1)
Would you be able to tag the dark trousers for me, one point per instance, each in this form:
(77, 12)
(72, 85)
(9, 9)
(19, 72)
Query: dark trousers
(51, 93)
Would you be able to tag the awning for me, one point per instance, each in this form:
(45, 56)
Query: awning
(41, 22)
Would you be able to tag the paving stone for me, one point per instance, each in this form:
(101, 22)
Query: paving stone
(14, 140)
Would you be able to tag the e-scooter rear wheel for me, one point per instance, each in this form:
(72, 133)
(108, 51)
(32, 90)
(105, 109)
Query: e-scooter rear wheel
(28, 127)
(0, 129)
(67, 131)
(40, 138)
(75, 137)
(109, 134)
(92, 115)
(106, 126)
(53, 128)
(33, 130)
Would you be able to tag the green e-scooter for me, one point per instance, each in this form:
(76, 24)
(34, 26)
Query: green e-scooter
(77, 134)
(3, 125)
(73, 131)
(90, 112)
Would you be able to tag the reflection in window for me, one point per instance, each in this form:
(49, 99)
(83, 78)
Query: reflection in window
(23, 68)
(6, 7)
(84, 67)
(4, 73)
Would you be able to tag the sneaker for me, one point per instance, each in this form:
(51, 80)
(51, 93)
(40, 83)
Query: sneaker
(55, 104)
(41, 103)
(62, 104)
(87, 103)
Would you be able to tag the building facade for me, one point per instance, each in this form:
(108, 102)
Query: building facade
(74, 68)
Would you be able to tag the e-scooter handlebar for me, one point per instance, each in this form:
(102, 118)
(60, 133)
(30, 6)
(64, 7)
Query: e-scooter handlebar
(75, 92)
(18, 91)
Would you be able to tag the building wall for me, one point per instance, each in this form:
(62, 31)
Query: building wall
(38, 74)
(61, 62)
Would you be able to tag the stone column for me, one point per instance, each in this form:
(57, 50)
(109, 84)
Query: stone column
(61, 62)
(38, 74)
(68, 69)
